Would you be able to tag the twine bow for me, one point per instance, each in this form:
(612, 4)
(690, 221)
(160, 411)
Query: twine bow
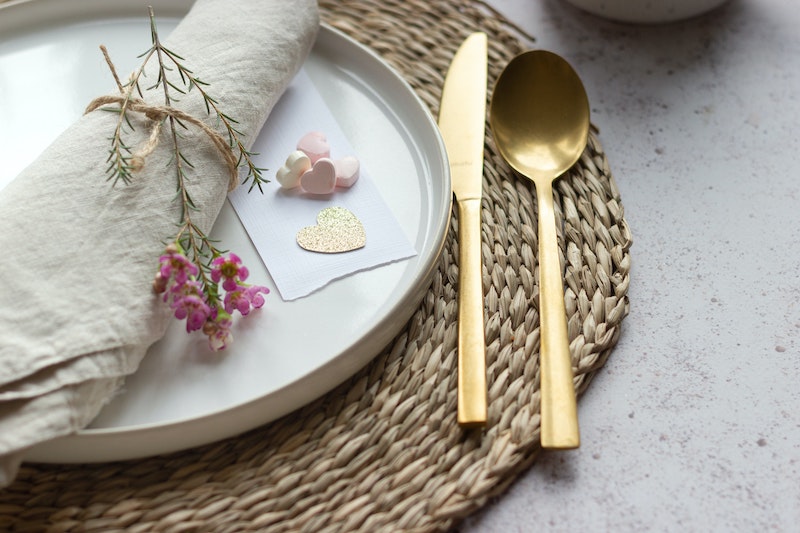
(157, 114)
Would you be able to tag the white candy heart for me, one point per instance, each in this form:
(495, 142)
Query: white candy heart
(291, 171)
(347, 171)
(320, 179)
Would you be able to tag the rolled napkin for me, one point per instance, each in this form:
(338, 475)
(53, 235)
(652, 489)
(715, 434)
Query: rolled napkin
(77, 307)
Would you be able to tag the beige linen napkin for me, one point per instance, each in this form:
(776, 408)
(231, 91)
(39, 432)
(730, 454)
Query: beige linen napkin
(77, 257)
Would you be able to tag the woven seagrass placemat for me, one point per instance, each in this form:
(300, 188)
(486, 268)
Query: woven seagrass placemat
(383, 451)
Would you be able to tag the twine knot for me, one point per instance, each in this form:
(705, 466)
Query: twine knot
(157, 114)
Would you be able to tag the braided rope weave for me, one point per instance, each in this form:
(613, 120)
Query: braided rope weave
(383, 451)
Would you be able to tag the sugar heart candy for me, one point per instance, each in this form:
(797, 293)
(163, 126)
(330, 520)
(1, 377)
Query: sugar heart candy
(289, 174)
(347, 171)
(320, 178)
(315, 145)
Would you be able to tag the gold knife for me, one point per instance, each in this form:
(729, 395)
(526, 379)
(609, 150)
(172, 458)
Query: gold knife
(462, 121)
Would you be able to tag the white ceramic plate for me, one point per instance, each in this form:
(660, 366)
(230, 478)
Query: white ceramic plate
(50, 67)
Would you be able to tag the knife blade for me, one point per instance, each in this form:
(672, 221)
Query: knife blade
(462, 122)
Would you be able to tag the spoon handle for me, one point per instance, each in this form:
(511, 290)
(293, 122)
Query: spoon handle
(471, 339)
(559, 423)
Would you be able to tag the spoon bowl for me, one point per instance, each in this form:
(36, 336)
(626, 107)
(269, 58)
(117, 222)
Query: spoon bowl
(539, 115)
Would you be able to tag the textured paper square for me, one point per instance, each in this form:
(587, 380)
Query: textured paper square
(273, 219)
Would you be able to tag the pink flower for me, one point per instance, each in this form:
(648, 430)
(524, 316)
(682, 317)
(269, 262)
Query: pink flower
(254, 293)
(193, 309)
(175, 264)
(188, 301)
(236, 301)
(231, 269)
(243, 299)
(198, 302)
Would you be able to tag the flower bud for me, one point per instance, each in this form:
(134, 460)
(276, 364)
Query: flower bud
(159, 283)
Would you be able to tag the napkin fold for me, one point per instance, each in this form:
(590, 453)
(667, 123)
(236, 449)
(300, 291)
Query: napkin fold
(77, 309)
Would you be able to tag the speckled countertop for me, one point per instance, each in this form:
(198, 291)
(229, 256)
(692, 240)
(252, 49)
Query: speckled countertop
(694, 422)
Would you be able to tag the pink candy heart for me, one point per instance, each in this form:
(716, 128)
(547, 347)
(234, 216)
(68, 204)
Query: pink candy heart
(347, 171)
(320, 178)
(311, 167)
(315, 146)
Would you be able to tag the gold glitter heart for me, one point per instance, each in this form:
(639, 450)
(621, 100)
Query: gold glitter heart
(337, 230)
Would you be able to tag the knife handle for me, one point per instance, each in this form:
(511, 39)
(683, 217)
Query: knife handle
(471, 339)
(559, 423)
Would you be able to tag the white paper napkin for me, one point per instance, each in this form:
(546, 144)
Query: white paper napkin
(77, 309)
(273, 219)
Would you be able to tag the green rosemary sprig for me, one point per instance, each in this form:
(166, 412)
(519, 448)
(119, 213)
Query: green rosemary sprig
(120, 158)
(191, 81)
(174, 78)
(192, 272)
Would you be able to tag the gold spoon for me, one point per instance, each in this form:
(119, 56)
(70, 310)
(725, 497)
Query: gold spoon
(540, 117)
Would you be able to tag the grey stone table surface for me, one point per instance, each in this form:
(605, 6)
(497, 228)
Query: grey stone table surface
(694, 422)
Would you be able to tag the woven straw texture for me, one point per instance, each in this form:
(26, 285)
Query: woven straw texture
(383, 451)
